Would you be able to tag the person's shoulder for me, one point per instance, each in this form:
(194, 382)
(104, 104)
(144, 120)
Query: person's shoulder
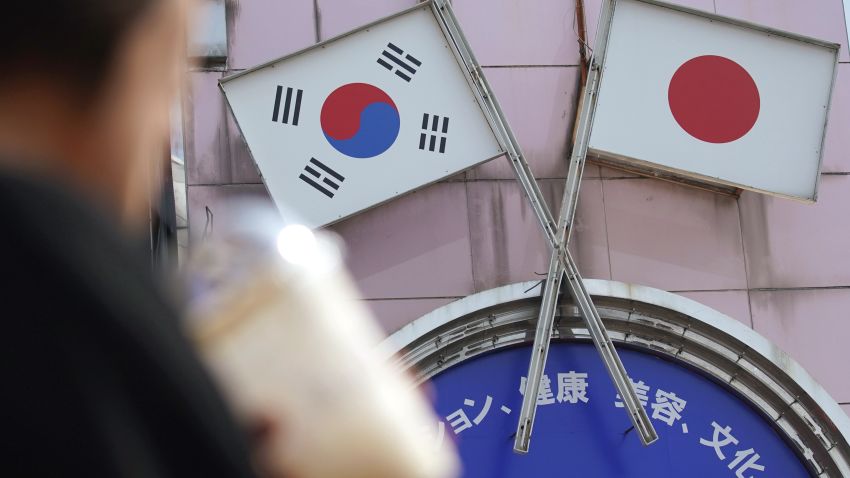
(58, 247)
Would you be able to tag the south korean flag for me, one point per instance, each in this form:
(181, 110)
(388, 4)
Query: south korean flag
(360, 119)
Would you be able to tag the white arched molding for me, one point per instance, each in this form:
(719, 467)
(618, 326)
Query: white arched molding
(651, 320)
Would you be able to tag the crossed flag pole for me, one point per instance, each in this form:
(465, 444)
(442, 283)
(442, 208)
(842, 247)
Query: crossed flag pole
(561, 264)
(439, 74)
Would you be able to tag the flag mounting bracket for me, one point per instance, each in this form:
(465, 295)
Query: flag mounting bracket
(558, 234)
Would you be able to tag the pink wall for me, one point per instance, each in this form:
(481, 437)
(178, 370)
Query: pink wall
(775, 265)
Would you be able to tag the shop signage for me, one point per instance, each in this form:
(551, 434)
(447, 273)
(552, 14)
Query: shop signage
(705, 429)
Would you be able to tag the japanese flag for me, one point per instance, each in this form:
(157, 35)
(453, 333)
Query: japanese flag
(709, 97)
(355, 121)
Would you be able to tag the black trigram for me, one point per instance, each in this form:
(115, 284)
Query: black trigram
(287, 106)
(433, 133)
(403, 62)
(321, 179)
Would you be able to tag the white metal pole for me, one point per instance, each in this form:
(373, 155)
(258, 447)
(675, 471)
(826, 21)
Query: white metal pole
(557, 267)
(557, 237)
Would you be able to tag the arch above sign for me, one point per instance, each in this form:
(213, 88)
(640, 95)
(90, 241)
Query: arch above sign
(646, 320)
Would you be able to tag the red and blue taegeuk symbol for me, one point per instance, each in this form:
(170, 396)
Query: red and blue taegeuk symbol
(360, 120)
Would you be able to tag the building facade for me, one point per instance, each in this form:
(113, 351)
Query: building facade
(780, 268)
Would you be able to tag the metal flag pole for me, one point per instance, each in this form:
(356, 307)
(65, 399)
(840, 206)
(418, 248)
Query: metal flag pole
(562, 262)
(545, 321)
(443, 10)
(549, 301)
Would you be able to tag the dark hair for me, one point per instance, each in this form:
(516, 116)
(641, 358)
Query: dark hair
(74, 41)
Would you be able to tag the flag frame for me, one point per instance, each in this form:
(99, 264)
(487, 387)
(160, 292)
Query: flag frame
(494, 117)
(646, 167)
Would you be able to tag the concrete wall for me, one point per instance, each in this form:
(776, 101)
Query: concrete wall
(780, 267)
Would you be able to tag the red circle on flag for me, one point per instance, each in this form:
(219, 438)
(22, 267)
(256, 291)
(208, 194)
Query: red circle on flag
(714, 99)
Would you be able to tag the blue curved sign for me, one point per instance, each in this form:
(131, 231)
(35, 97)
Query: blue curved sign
(581, 429)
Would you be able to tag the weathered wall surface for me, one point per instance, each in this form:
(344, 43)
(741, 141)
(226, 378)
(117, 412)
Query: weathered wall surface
(780, 267)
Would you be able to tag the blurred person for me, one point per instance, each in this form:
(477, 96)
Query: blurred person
(97, 377)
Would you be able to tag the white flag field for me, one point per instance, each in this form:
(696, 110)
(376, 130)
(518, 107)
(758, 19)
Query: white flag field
(353, 122)
(713, 98)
